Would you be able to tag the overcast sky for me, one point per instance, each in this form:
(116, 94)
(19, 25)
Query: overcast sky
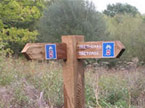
(102, 4)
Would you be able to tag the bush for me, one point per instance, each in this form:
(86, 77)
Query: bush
(71, 17)
(15, 39)
(129, 30)
(17, 22)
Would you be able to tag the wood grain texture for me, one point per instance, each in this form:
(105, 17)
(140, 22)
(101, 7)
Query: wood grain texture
(73, 74)
(36, 51)
(94, 49)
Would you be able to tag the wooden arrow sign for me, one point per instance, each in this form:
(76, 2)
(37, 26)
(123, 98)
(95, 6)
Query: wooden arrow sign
(100, 49)
(72, 49)
(42, 51)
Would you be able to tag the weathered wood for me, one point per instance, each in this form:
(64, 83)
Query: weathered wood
(73, 74)
(120, 48)
(36, 51)
(95, 49)
(72, 49)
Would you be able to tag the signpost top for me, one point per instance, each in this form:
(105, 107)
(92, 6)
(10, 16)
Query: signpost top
(99, 49)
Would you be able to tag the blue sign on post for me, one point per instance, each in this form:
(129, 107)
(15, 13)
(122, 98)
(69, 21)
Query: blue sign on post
(108, 49)
(50, 51)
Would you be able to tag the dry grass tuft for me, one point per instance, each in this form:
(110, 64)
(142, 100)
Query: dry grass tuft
(31, 84)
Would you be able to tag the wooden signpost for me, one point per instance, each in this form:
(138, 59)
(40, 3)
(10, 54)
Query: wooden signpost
(73, 49)
(37, 51)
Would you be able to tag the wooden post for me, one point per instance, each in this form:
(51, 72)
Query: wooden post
(73, 74)
(73, 49)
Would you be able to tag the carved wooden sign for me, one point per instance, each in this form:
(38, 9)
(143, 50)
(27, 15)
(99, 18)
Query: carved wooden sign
(41, 51)
(100, 49)
(71, 49)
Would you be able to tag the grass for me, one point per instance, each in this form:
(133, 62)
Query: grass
(31, 84)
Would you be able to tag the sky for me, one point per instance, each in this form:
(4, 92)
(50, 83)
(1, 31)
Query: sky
(102, 4)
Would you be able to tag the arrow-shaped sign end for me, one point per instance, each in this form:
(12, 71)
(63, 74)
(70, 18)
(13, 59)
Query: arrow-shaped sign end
(121, 49)
(25, 48)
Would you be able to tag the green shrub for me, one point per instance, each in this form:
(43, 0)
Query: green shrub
(129, 30)
(71, 17)
(17, 22)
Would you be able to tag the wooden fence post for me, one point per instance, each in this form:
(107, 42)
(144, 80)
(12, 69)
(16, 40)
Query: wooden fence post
(73, 74)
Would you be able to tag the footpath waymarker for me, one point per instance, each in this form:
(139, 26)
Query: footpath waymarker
(108, 49)
(50, 51)
(73, 49)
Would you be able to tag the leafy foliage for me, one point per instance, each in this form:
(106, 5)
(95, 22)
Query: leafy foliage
(71, 17)
(18, 13)
(17, 22)
(128, 30)
(17, 38)
(119, 8)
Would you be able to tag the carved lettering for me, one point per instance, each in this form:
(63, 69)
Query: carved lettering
(89, 46)
(83, 53)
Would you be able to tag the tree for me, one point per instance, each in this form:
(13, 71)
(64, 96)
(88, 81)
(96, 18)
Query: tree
(130, 31)
(71, 17)
(119, 8)
(17, 22)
